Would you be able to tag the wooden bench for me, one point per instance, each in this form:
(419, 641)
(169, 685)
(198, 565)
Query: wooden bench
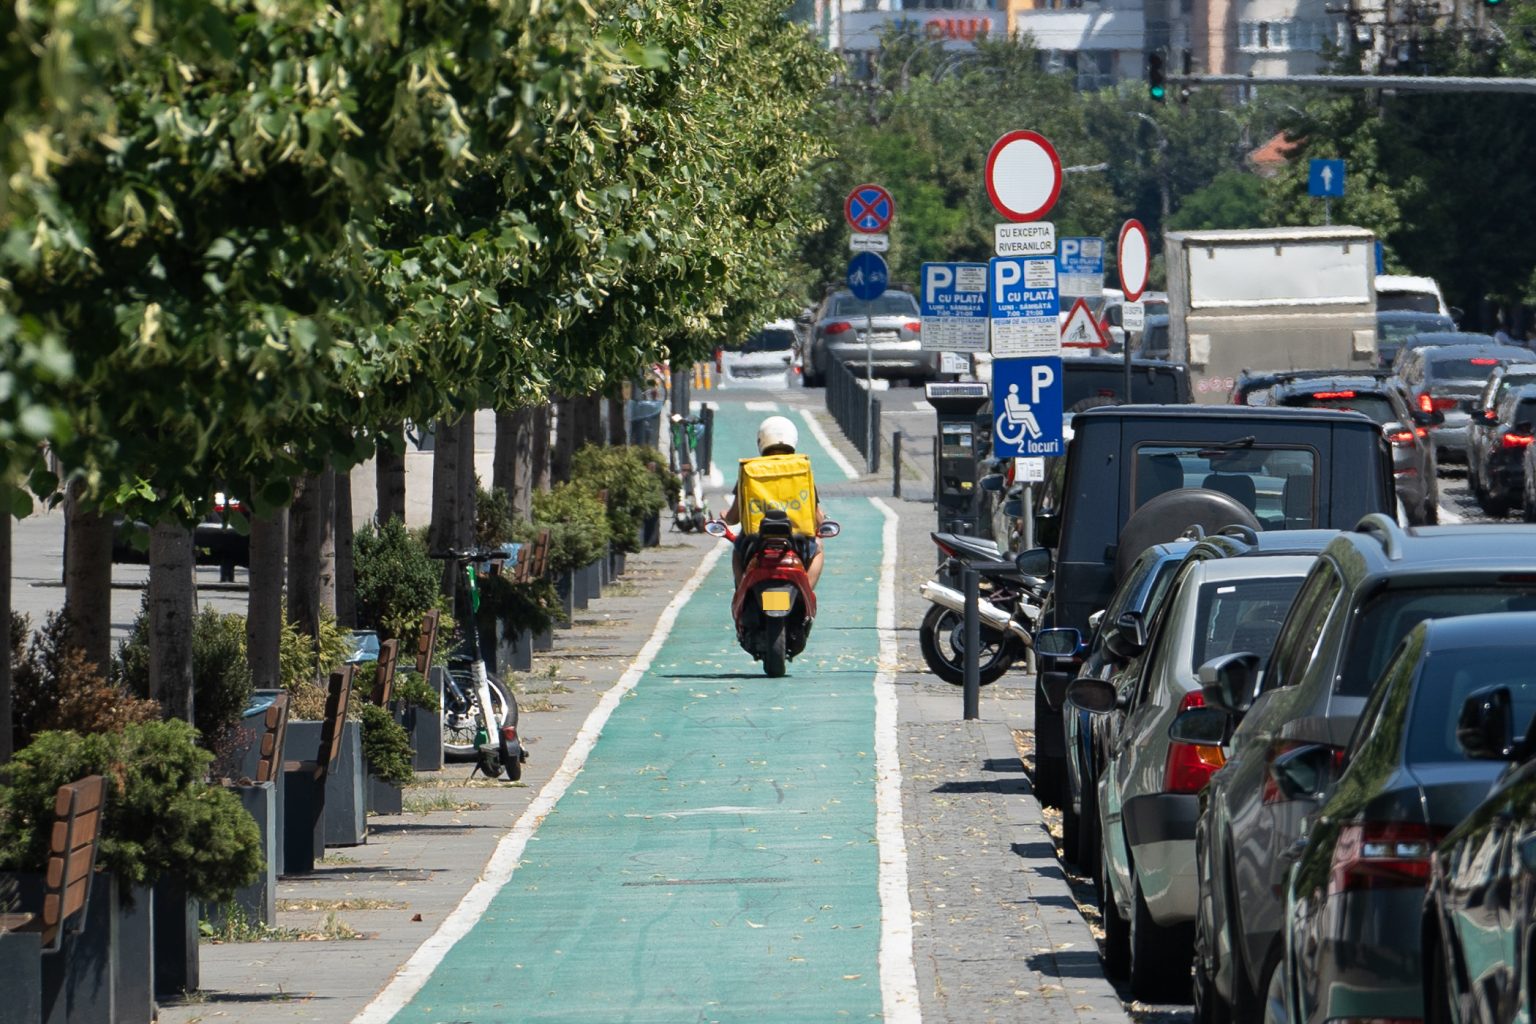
(384, 673)
(77, 810)
(304, 782)
(426, 640)
(273, 734)
(533, 560)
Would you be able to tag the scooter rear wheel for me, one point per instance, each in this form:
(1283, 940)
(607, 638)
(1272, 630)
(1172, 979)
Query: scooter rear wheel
(461, 718)
(939, 637)
(773, 651)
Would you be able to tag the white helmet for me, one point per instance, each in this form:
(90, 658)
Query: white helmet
(777, 431)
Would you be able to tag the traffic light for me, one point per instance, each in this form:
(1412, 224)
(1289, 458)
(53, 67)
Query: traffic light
(1157, 79)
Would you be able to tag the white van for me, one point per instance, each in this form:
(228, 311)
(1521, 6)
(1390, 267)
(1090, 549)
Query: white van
(1406, 292)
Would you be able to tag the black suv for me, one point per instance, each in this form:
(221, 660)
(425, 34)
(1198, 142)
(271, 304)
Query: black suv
(1370, 586)
(1287, 468)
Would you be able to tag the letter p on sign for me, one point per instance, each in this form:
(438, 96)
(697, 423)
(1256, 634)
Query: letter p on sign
(936, 278)
(1007, 273)
(1040, 378)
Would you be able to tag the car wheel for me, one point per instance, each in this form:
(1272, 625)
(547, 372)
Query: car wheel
(1161, 956)
(1497, 507)
(1117, 934)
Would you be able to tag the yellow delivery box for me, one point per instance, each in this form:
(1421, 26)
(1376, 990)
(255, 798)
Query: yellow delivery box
(777, 482)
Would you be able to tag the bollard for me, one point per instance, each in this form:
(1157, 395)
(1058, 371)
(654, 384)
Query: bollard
(972, 583)
(895, 463)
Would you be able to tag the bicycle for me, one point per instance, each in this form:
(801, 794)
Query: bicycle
(692, 511)
(470, 690)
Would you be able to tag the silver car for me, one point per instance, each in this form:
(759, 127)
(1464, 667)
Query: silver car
(891, 324)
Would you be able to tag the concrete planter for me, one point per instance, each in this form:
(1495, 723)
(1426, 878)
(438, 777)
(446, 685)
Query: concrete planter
(426, 732)
(21, 965)
(594, 575)
(384, 797)
(565, 586)
(581, 588)
(257, 903)
(506, 648)
(650, 531)
(175, 936)
(544, 641)
(615, 564)
(346, 822)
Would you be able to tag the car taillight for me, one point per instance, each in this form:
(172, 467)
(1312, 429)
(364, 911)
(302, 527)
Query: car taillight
(1190, 766)
(1484, 361)
(1512, 440)
(1401, 438)
(841, 326)
(1429, 403)
(915, 326)
(1382, 855)
(1323, 396)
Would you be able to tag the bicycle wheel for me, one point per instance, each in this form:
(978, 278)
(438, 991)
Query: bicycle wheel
(461, 714)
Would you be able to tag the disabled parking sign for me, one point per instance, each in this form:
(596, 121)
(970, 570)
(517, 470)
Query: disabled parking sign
(1026, 407)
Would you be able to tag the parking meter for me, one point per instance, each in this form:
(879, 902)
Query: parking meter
(964, 444)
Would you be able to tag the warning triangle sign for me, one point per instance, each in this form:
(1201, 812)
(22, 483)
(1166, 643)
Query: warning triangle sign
(1081, 330)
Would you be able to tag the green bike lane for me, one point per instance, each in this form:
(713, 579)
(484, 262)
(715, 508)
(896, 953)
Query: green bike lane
(716, 858)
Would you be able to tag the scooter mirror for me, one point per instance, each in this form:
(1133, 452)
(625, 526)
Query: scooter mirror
(828, 529)
(715, 528)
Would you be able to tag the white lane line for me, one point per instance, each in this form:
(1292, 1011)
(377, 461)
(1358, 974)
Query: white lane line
(898, 973)
(826, 443)
(695, 811)
(498, 870)
(1450, 516)
(762, 406)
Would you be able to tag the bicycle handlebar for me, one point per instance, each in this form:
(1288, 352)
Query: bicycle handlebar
(469, 555)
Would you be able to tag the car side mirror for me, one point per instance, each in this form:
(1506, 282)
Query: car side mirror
(1126, 637)
(1203, 727)
(1034, 562)
(1487, 417)
(1059, 642)
(1485, 727)
(1523, 427)
(829, 529)
(1013, 508)
(1094, 696)
(1303, 772)
(1456, 314)
(994, 482)
(1047, 528)
(1228, 682)
(1428, 419)
(715, 528)
(1133, 627)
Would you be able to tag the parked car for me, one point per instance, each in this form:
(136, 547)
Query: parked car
(1480, 434)
(1224, 597)
(1284, 469)
(1393, 325)
(894, 325)
(1154, 342)
(1355, 900)
(215, 541)
(1368, 588)
(1433, 339)
(1413, 458)
(766, 358)
(1100, 380)
(1113, 316)
(1497, 439)
(1449, 379)
(1478, 965)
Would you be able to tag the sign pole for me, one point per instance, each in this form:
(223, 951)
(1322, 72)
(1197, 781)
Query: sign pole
(1127, 355)
(869, 386)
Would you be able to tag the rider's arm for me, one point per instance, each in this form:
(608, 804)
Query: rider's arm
(731, 517)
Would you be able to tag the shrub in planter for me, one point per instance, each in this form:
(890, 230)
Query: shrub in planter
(396, 580)
(386, 746)
(54, 687)
(494, 522)
(533, 606)
(656, 464)
(412, 690)
(577, 524)
(634, 492)
(162, 817)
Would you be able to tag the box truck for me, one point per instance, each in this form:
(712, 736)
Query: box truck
(1265, 299)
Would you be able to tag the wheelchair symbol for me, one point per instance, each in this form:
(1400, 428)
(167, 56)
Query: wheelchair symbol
(1017, 420)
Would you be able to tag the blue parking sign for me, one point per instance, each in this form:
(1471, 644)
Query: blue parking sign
(1026, 407)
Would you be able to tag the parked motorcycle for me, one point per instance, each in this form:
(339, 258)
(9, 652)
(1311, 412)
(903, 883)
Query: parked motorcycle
(1008, 605)
(774, 606)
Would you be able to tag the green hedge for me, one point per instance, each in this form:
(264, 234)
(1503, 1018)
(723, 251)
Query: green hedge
(578, 527)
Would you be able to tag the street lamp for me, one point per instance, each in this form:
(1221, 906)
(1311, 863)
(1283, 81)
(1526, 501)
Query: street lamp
(1162, 164)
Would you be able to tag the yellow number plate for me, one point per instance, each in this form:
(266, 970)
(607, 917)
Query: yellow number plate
(775, 600)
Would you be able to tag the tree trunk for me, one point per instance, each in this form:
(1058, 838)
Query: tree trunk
(564, 444)
(327, 524)
(520, 482)
(7, 706)
(304, 531)
(589, 420)
(445, 497)
(539, 442)
(618, 426)
(88, 578)
(172, 604)
(264, 611)
(391, 475)
(346, 576)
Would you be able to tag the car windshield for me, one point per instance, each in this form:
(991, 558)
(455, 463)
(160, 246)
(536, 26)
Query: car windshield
(1272, 481)
(1240, 615)
(1376, 406)
(1448, 678)
(1466, 368)
(889, 304)
(773, 339)
(1388, 618)
(1393, 332)
(1415, 302)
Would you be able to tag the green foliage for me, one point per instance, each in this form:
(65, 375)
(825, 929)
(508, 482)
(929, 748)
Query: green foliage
(303, 661)
(494, 522)
(54, 687)
(577, 524)
(1233, 199)
(413, 691)
(633, 490)
(162, 815)
(386, 746)
(221, 676)
(396, 580)
(533, 605)
(656, 463)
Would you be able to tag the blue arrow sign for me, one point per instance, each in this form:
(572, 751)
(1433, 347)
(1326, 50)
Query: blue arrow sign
(1326, 179)
(867, 276)
(1026, 407)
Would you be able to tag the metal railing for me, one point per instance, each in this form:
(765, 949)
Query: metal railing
(856, 410)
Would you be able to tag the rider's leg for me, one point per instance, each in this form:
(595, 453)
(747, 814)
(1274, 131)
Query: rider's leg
(813, 571)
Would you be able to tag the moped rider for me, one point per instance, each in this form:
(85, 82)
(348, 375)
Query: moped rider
(776, 435)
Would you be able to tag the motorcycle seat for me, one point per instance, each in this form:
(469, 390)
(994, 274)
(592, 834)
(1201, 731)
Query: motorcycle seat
(977, 549)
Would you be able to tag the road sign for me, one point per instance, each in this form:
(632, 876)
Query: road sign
(1026, 407)
(1029, 471)
(868, 243)
(869, 209)
(954, 362)
(1326, 179)
(867, 276)
(1024, 306)
(1035, 239)
(1133, 317)
(1081, 330)
(1133, 259)
(1023, 175)
(1080, 266)
(953, 300)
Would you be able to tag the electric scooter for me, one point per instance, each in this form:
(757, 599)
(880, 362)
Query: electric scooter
(479, 711)
(774, 607)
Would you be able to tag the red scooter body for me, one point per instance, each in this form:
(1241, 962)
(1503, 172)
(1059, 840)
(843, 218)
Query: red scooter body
(774, 606)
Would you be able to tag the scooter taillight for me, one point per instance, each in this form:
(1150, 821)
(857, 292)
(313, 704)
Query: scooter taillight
(509, 733)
